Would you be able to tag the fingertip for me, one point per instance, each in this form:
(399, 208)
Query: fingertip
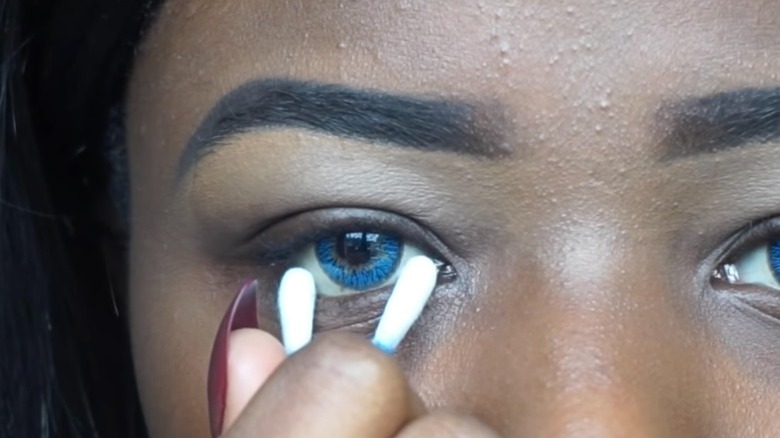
(339, 385)
(355, 364)
(254, 355)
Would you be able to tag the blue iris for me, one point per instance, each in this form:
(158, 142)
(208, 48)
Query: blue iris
(359, 260)
(774, 258)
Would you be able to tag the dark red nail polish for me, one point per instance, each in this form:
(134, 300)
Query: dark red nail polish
(242, 313)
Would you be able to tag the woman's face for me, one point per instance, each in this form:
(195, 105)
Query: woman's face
(601, 177)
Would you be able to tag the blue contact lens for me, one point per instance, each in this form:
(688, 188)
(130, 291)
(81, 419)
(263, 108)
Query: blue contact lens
(774, 258)
(359, 260)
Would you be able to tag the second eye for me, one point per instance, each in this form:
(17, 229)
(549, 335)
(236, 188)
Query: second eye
(355, 261)
(759, 266)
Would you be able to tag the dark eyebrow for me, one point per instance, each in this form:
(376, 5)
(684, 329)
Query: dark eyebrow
(721, 121)
(407, 121)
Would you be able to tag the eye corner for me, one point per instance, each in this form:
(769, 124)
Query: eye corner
(725, 272)
(447, 272)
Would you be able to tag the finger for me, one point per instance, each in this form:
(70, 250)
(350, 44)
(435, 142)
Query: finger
(253, 356)
(442, 424)
(340, 385)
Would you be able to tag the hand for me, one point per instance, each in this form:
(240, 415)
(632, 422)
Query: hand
(339, 386)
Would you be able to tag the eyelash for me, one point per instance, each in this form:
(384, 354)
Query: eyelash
(279, 242)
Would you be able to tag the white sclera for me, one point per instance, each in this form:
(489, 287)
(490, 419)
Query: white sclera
(297, 295)
(406, 303)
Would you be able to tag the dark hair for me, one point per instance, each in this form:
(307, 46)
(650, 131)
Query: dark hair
(65, 367)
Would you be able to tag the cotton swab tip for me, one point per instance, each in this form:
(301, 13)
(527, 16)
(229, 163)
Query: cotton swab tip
(297, 296)
(406, 303)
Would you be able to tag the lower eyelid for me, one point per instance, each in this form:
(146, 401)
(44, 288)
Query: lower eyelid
(351, 311)
(363, 325)
(361, 311)
(754, 299)
(358, 312)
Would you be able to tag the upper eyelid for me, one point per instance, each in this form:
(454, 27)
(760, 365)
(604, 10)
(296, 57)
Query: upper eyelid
(338, 220)
(748, 237)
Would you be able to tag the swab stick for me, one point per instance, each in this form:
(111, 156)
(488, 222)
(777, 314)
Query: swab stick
(406, 303)
(297, 295)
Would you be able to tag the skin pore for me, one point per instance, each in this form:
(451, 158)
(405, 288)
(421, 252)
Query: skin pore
(583, 302)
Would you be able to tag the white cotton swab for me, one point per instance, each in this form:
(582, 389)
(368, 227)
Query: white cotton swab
(297, 295)
(406, 303)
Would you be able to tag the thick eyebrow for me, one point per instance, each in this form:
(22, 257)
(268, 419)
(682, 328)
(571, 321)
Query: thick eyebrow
(422, 123)
(721, 121)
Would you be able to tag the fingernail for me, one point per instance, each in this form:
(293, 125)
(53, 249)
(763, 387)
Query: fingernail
(242, 313)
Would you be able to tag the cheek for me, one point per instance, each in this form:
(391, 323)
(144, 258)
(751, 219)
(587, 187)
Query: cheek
(539, 349)
(176, 304)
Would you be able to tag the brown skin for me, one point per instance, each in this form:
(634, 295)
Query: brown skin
(583, 305)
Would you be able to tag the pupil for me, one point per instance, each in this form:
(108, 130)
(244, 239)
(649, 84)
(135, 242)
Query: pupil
(356, 248)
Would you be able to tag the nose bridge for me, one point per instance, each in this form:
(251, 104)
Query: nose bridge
(591, 338)
(596, 373)
(595, 344)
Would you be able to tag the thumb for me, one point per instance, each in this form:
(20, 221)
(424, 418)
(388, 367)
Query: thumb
(254, 354)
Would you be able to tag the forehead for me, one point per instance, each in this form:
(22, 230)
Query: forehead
(422, 44)
(544, 52)
(411, 39)
(560, 68)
